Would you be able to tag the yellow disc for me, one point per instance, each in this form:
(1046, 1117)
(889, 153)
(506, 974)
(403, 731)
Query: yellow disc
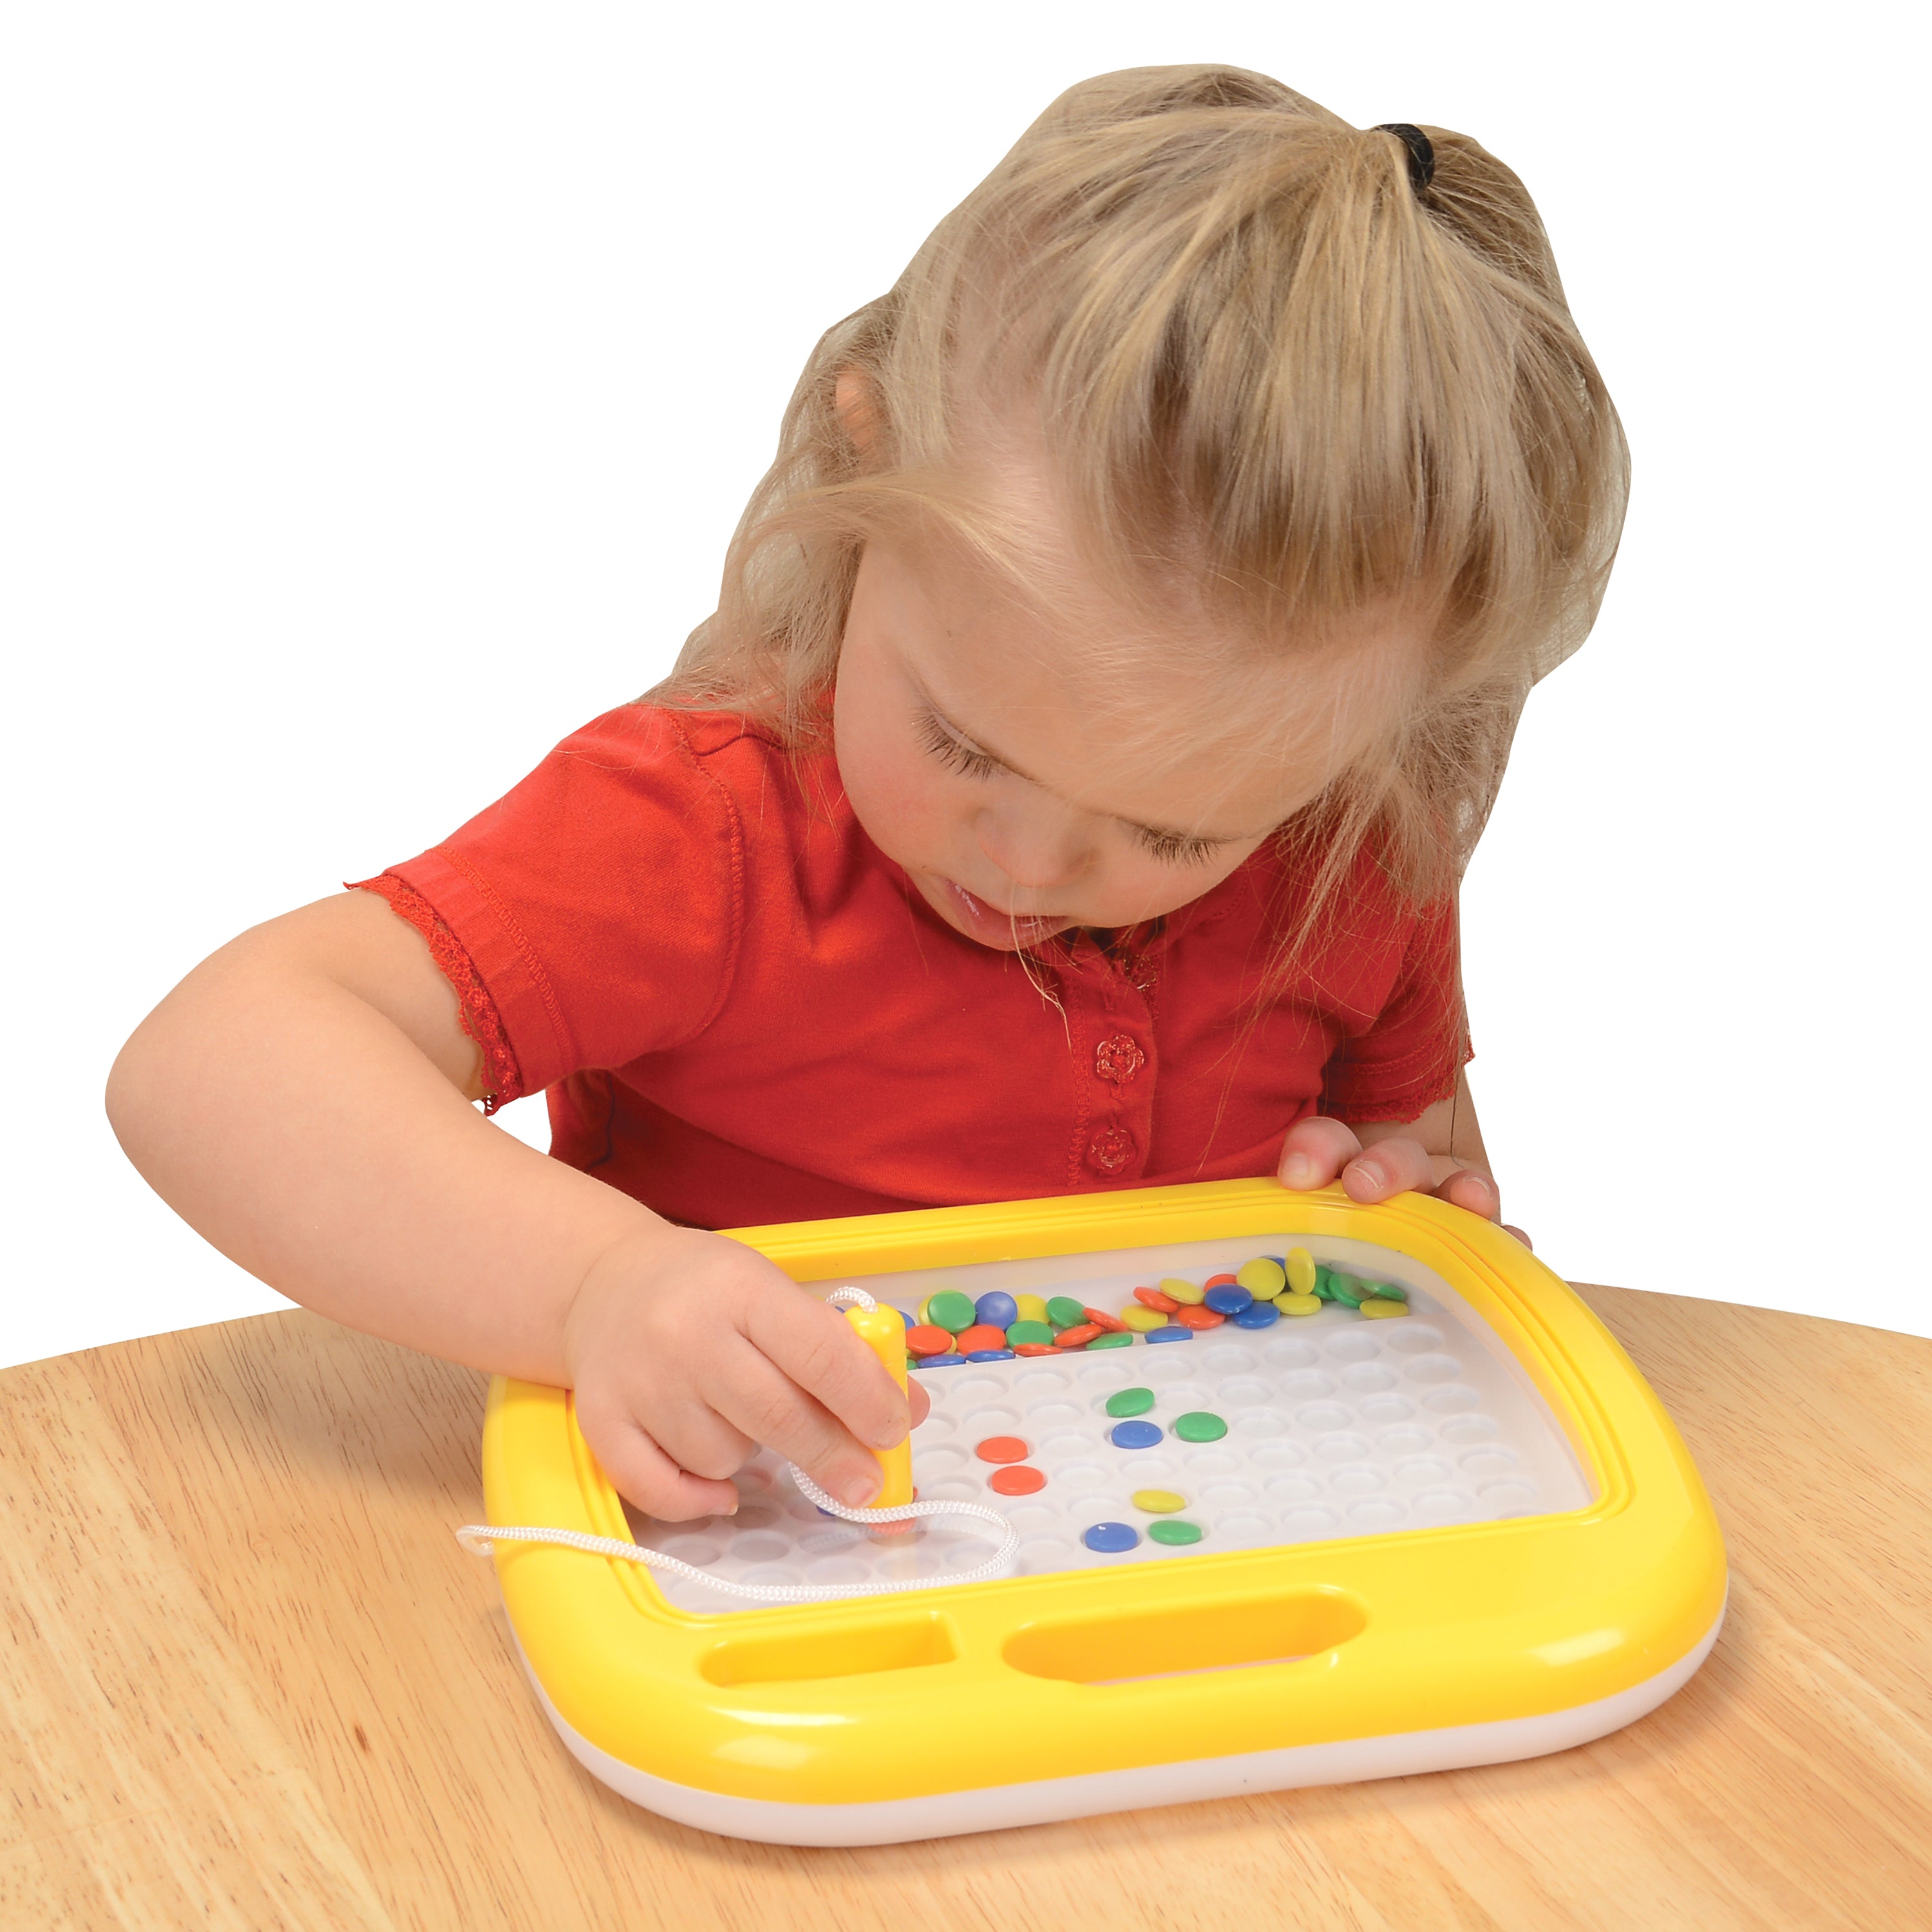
(1185, 1292)
(1262, 1278)
(1158, 1502)
(1299, 1304)
(1138, 1315)
(1300, 1271)
(1032, 1307)
(1377, 1310)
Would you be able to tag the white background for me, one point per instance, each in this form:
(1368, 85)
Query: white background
(379, 385)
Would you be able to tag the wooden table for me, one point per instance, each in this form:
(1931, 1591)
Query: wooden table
(251, 1682)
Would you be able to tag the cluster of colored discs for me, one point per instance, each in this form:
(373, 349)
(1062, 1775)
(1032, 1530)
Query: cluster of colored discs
(1016, 1476)
(952, 1327)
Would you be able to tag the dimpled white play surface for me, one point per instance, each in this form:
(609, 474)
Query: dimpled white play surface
(1337, 1426)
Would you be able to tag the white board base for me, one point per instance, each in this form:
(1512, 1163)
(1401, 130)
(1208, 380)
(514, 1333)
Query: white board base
(994, 1807)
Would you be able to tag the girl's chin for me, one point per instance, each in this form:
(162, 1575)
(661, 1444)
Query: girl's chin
(977, 920)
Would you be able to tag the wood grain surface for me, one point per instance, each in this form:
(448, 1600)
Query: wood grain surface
(249, 1681)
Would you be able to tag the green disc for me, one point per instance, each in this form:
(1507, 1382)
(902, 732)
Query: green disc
(1198, 1426)
(1112, 1341)
(1174, 1529)
(1130, 1402)
(1029, 1331)
(1388, 1290)
(1063, 1311)
(1324, 1283)
(951, 1310)
(1346, 1289)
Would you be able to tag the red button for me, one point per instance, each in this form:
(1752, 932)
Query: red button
(1018, 1480)
(1001, 1449)
(1118, 1060)
(1110, 1150)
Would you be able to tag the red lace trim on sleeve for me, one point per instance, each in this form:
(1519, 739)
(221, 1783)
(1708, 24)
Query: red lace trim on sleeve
(502, 1079)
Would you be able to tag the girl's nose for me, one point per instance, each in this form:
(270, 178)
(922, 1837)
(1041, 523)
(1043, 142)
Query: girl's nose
(1038, 850)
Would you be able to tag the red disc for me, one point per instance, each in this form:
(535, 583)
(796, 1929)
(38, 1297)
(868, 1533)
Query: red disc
(1033, 1347)
(1018, 1480)
(926, 1339)
(1001, 1449)
(1220, 1281)
(1152, 1298)
(981, 1337)
(1078, 1338)
(1199, 1318)
(1109, 1324)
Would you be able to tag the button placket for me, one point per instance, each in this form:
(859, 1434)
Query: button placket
(1112, 1137)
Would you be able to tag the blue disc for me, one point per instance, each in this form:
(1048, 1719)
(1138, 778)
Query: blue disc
(1133, 1436)
(1229, 1299)
(1258, 1315)
(996, 1310)
(989, 1354)
(936, 1361)
(1110, 1538)
(1173, 1332)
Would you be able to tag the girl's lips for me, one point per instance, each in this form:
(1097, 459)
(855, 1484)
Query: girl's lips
(980, 922)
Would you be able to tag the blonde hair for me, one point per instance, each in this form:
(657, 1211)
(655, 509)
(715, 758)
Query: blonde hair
(1260, 359)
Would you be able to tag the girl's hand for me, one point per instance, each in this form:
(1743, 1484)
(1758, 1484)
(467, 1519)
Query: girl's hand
(1381, 1158)
(687, 1351)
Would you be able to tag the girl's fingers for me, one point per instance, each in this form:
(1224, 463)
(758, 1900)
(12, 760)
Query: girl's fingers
(1389, 1167)
(1469, 1187)
(921, 1403)
(1316, 1150)
(1520, 1236)
(821, 1351)
(644, 1474)
(770, 1407)
(698, 1437)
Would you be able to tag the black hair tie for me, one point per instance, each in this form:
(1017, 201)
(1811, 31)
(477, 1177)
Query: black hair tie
(1421, 155)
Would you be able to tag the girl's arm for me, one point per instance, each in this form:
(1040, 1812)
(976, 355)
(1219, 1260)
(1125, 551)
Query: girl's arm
(1440, 1152)
(305, 1100)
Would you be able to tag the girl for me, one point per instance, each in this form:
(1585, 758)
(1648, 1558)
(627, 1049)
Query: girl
(1111, 678)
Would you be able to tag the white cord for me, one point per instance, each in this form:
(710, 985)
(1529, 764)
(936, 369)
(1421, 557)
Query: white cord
(480, 1539)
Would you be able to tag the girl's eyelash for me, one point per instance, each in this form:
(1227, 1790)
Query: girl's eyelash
(1171, 848)
(949, 751)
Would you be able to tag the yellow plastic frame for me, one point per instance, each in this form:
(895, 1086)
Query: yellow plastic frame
(955, 1688)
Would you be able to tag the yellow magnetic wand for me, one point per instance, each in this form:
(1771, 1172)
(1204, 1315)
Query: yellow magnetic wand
(883, 1333)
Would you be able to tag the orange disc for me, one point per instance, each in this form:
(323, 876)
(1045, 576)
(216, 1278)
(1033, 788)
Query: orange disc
(1152, 1298)
(1199, 1318)
(1108, 1324)
(1001, 1449)
(1078, 1338)
(980, 1337)
(926, 1339)
(1018, 1481)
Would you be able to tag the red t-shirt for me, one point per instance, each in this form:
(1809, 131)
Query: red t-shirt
(743, 1012)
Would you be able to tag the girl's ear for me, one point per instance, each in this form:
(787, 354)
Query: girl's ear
(852, 397)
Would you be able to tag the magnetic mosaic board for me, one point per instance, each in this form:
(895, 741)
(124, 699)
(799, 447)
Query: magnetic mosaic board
(1336, 1426)
(1457, 1536)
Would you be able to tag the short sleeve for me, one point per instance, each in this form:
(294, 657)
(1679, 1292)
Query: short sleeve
(1409, 1055)
(599, 902)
